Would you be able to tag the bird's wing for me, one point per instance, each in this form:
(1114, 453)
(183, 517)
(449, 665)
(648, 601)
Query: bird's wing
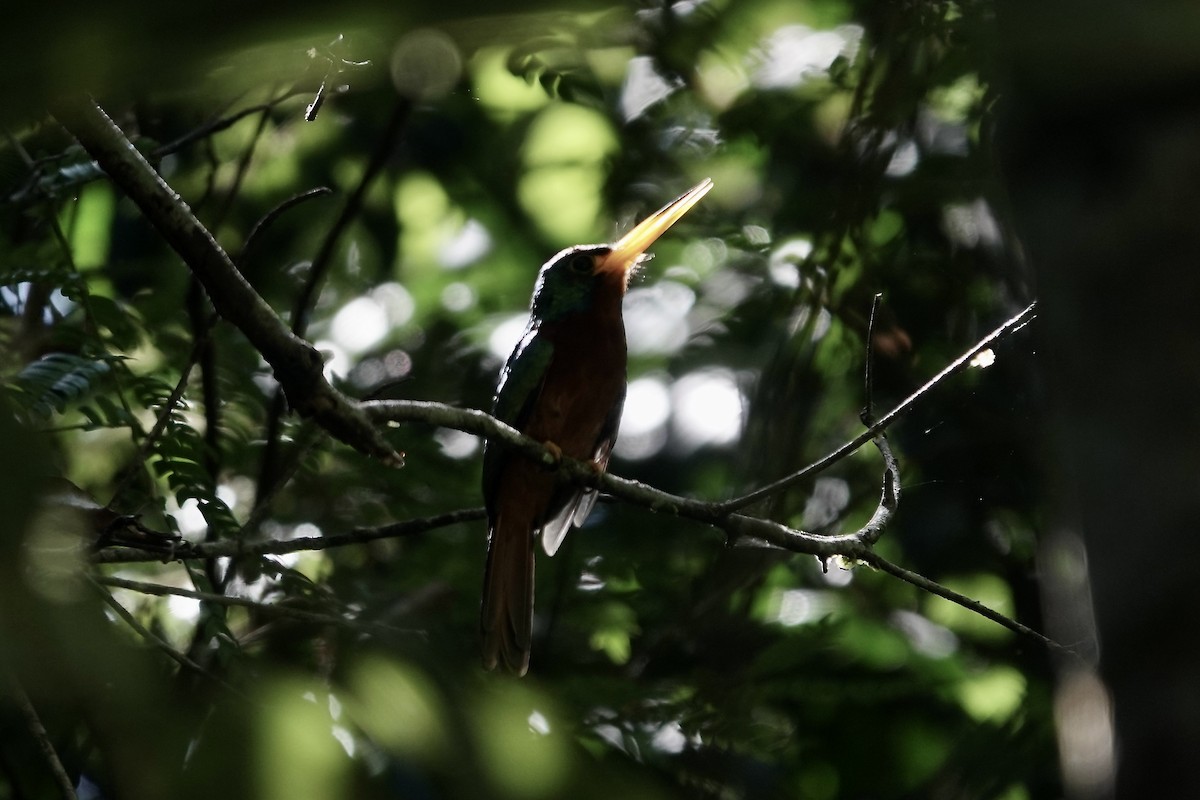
(577, 504)
(521, 383)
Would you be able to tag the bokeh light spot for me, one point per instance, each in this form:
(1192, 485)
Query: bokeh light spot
(425, 64)
(468, 245)
(994, 694)
(506, 335)
(708, 408)
(359, 325)
(457, 297)
(656, 317)
(565, 155)
(499, 91)
(398, 707)
(643, 430)
(525, 759)
(456, 444)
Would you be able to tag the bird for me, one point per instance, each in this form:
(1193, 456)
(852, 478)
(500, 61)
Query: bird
(563, 385)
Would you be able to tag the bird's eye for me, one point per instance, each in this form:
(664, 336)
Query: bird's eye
(581, 264)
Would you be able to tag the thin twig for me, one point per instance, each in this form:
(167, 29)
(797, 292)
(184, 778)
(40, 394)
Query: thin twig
(869, 366)
(933, 587)
(317, 271)
(887, 419)
(240, 172)
(241, 549)
(269, 609)
(66, 789)
(308, 437)
(219, 125)
(890, 500)
(350, 211)
(155, 640)
(275, 213)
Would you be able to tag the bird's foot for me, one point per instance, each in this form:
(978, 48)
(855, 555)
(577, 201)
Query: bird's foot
(554, 455)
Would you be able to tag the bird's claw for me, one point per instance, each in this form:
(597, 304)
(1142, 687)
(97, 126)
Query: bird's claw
(553, 454)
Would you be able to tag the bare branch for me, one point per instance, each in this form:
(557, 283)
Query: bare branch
(933, 587)
(66, 789)
(158, 642)
(317, 271)
(237, 548)
(274, 214)
(887, 419)
(270, 609)
(868, 415)
(856, 545)
(216, 126)
(296, 363)
(584, 473)
(350, 210)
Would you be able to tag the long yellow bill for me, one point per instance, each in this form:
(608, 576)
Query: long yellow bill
(628, 251)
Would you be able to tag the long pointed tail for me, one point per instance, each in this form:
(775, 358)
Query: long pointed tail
(506, 615)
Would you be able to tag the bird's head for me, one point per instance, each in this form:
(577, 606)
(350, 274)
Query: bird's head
(572, 280)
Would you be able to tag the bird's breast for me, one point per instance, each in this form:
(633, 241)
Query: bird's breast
(584, 382)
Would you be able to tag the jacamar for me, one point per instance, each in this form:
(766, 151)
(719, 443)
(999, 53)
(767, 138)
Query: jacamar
(564, 385)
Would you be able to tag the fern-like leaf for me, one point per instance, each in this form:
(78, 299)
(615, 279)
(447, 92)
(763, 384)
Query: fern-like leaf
(58, 379)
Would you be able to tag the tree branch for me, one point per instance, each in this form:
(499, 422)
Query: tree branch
(933, 587)
(66, 789)
(157, 641)
(350, 210)
(216, 126)
(584, 473)
(270, 609)
(856, 545)
(317, 271)
(887, 419)
(296, 363)
(237, 548)
(274, 214)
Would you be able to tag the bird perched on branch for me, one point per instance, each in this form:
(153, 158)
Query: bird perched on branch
(564, 385)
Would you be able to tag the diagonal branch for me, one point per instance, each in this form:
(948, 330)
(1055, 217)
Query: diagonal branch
(481, 424)
(887, 419)
(296, 363)
(66, 789)
(155, 640)
(933, 587)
